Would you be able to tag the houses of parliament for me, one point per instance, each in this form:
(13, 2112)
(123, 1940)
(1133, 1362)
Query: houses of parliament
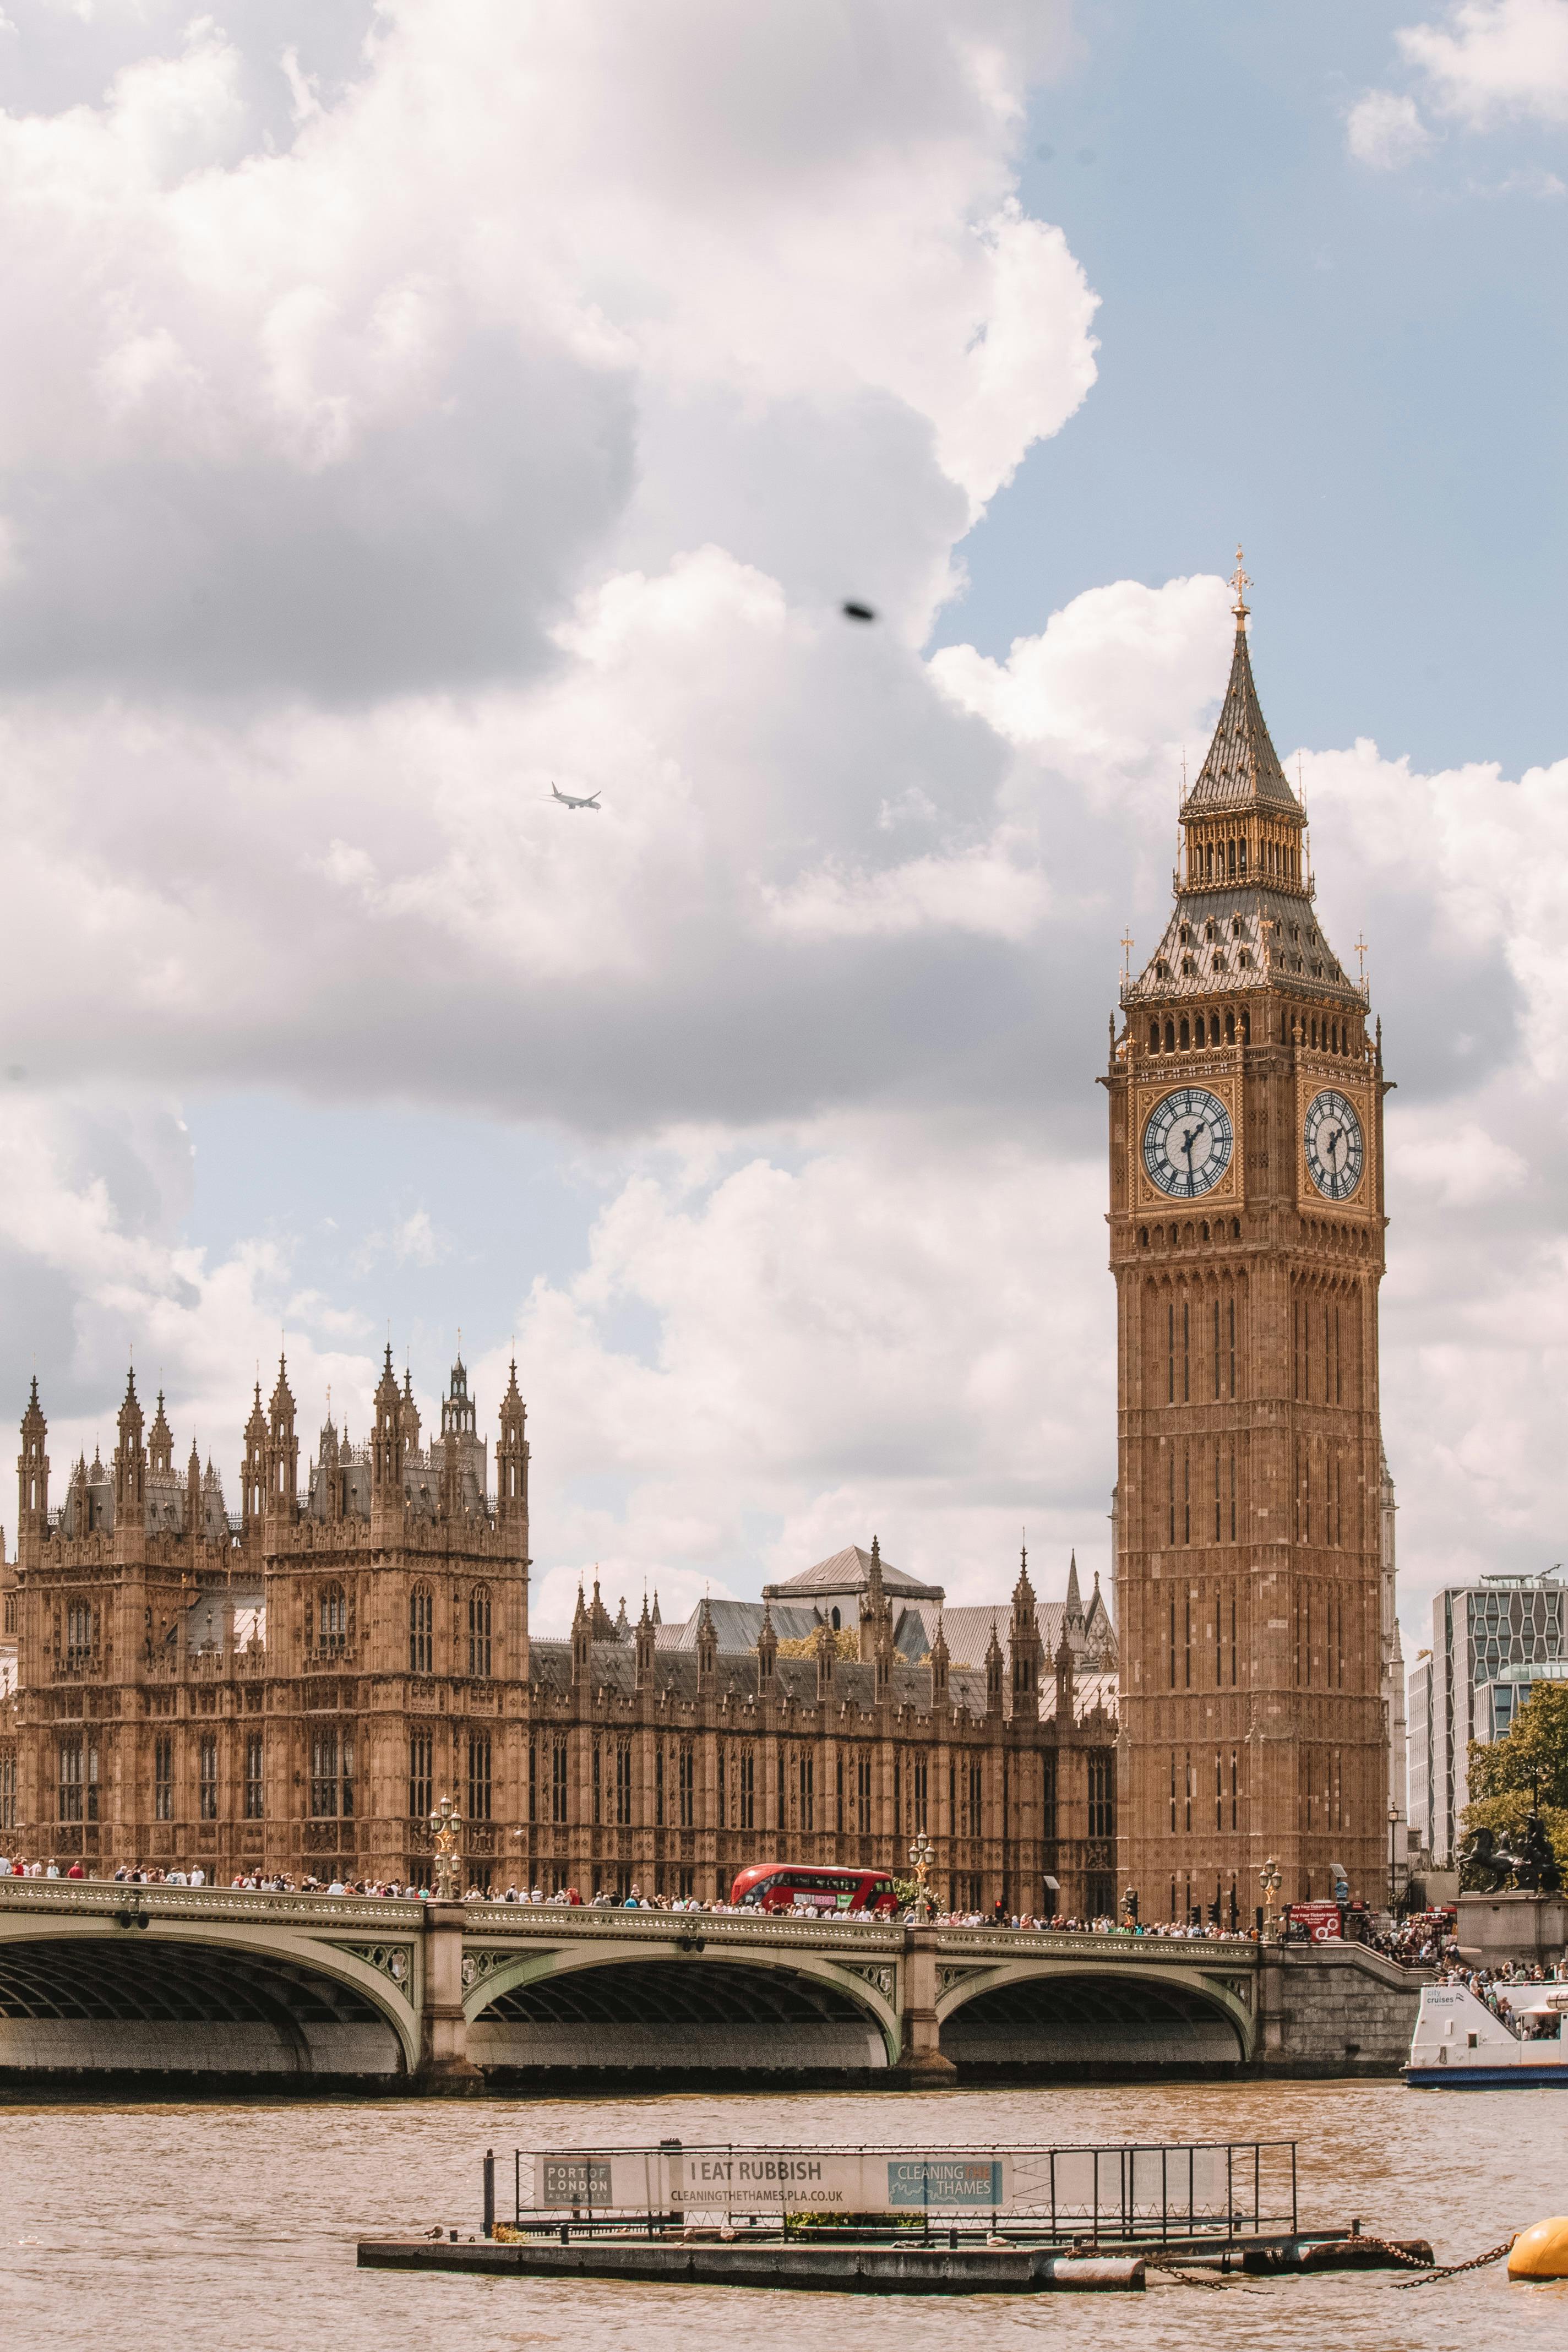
(289, 1688)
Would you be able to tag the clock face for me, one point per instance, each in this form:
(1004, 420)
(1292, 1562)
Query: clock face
(1335, 1149)
(1187, 1143)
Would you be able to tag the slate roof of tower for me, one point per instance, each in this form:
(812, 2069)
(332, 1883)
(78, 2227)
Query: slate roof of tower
(850, 1570)
(1243, 937)
(1242, 768)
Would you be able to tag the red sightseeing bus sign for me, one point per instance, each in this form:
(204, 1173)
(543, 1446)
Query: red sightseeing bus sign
(1321, 1921)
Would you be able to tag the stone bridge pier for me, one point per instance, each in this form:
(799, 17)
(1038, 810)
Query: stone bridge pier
(225, 1989)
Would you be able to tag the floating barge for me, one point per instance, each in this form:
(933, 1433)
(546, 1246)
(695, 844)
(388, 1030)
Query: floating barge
(1060, 2220)
(975, 2267)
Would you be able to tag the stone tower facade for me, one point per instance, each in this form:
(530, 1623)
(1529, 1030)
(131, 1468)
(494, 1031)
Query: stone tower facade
(1247, 1241)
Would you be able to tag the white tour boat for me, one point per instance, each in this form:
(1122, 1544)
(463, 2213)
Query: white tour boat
(1459, 2043)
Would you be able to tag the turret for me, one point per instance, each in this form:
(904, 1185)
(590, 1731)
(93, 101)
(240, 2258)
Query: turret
(193, 1528)
(253, 1477)
(460, 1416)
(582, 1640)
(995, 1673)
(32, 1484)
(511, 1469)
(707, 1647)
(387, 1459)
(646, 1646)
(1067, 1706)
(280, 1464)
(410, 1410)
(161, 1442)
(1023, 1643)
(129, 1479)
(826, 1659)
(940, 1663)
(767, 1653)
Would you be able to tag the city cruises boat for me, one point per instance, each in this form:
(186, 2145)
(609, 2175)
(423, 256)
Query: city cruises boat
(1461, 2044)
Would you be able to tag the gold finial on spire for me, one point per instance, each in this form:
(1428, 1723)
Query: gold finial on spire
(1360, 960)
(1126, 958)
(1241, 582)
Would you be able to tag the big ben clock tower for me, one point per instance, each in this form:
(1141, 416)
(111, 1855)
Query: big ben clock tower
(1246, 1231)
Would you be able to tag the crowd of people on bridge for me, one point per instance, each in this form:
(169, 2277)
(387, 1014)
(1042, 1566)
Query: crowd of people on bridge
(1425, 1940)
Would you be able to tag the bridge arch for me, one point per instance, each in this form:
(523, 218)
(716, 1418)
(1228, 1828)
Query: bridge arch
(99, 1997)
(1071, 2015)
(659, 2007)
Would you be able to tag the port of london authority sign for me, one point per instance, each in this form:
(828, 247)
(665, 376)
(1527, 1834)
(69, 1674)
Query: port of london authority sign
(764, 2179)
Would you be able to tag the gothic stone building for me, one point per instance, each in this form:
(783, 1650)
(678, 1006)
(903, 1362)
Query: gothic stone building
(292, 1689)
(1246, 1234)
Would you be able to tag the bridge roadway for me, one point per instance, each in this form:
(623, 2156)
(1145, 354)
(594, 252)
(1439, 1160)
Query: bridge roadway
(220, 1985)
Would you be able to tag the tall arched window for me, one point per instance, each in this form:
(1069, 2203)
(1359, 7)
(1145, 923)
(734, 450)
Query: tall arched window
(1170, 1038)
(422, 1631)
(1153, 1036)
(1185, 1033)
(480, 1632)
(333, 1617)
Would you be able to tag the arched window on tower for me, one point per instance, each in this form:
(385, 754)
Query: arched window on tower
(1230, 857)
(1230, 1028)
(332, 1618)
(480, 1632)
(1170, 1039)
(421, 1631)
(1153, 1036)
(1187, 1035)
(1241, 856)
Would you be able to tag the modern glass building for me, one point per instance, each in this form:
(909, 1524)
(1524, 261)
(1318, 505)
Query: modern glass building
(1491, 1643)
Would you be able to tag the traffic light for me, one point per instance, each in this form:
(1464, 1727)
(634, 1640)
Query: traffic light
(1214, 1913)
(1129, 1905)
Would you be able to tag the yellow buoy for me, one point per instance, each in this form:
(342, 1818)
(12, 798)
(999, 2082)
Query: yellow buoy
(1541, 2251)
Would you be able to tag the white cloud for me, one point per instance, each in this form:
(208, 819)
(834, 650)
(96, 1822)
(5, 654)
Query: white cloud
(1491, 60)
(516, 400)
(1384, 130)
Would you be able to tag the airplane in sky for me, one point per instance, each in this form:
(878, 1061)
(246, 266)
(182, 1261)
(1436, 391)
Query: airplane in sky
(567, 801)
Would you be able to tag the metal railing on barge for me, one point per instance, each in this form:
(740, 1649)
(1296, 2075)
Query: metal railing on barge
(1218, 2192)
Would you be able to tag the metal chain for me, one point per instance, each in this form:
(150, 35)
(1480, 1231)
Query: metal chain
(1171, 2265)
(1453, 2270)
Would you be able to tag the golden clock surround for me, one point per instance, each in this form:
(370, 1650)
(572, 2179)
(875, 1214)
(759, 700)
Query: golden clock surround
(1314, 1075)
(1218, 1074)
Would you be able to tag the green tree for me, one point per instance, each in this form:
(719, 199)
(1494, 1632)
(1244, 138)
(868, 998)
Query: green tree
(1534, 1753)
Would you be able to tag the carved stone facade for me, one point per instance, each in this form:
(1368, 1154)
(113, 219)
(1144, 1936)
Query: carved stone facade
(292, 1690)
(1246, 1240)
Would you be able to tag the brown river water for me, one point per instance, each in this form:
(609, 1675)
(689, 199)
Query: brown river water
(156, 2228)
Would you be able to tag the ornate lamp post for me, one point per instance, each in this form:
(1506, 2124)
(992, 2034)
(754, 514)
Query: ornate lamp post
(446, 1830)
(1269, 1880)
(919, 1857)
(1393, 1827)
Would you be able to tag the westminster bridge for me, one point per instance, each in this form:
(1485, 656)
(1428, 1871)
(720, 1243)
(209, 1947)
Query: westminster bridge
(216, 1987)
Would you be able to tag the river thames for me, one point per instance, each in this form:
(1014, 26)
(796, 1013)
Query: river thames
(159, 2229)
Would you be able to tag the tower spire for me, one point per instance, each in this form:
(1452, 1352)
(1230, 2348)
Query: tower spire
(1241, 582)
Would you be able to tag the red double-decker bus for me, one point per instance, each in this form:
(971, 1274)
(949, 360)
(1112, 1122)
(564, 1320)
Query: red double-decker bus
(780, 1886)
